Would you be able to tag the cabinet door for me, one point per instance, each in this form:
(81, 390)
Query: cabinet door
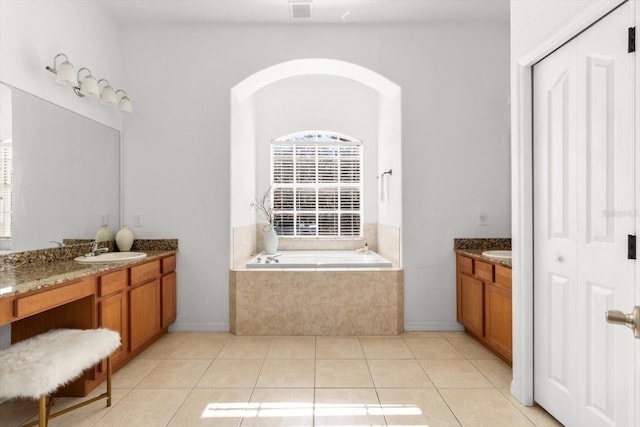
(471, 304)
(113, 315)
(168, 299)
(145, 313)
(497, 321)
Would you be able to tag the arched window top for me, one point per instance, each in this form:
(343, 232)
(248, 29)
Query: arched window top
(317, 136)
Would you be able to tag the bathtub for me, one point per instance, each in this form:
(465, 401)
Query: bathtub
(319, 259)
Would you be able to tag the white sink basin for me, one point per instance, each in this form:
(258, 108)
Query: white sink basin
(497, 254)
(111, 257)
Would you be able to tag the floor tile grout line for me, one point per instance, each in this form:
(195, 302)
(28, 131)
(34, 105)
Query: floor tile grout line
(180, 406)
(519, 408)
(449, 407)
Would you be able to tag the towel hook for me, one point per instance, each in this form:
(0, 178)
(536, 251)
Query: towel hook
(389, 172)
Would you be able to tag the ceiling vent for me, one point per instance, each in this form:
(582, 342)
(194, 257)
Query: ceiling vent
(300, 10)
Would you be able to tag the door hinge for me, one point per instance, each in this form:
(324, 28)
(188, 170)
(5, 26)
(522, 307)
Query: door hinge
(632, 39)
(631, 247)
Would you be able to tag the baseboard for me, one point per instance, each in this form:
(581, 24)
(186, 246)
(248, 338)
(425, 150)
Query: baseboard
(224, 327)
(199, 327)
(429, 326)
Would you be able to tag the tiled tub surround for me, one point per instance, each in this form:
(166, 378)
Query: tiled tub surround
(348, 301)
(317, 302)
(475, 246)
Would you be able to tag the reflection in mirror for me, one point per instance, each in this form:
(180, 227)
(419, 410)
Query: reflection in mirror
(63, 172)
(6, 168)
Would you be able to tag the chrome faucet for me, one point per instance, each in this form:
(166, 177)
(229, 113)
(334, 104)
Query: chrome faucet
(95, 250)
(272, 258)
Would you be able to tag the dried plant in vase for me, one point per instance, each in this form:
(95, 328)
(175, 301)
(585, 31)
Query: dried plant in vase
(264, 207)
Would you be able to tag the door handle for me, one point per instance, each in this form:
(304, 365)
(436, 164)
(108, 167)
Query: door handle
(631, 320)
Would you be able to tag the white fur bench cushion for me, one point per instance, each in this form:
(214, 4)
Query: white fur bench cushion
(41, 364)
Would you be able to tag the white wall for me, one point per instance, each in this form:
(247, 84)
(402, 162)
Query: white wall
(319, 103)
(6, 114)
(243, 159)
(32, 32)
(454, 80)
(534, 21)
(390, 158)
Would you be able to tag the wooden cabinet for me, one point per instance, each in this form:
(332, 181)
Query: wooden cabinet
(145, 300)
(113, 315)
(112, 308)
(168, 290)
(168, 299)
(484, 303)
(471, 303)
(139, 302)
(497, 318)
(145, 313)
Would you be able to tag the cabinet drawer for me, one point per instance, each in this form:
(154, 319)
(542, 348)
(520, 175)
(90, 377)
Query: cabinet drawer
(144, 272)
(465, 265)
(168, 264)
(484, 270)
(503, 276)
(32, 304)
(112, 282)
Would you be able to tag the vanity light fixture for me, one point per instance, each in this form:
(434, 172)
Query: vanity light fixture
(108, 95)
(89, 85)
(65, 73)
(124, 104)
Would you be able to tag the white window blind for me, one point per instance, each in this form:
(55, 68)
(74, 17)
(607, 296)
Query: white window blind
(6, 179)
(316, 184)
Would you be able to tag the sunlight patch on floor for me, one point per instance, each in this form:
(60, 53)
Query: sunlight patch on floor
(298, 409)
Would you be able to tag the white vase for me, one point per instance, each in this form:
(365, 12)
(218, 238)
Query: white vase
(104, 234)
(270, 242)
(124, 239)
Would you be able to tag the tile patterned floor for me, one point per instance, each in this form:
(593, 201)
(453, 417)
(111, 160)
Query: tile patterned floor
(427, 379)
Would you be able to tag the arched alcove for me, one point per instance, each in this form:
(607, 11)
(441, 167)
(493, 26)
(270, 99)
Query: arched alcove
(386, 96)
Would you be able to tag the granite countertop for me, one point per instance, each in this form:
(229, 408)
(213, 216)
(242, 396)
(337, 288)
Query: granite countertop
(473, 247)
(15, 280)
(477, 254)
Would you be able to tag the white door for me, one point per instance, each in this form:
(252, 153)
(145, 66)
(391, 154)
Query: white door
(584, 368)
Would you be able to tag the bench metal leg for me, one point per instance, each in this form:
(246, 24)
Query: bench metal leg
(42, 411)
(109, 381)
(45, 403)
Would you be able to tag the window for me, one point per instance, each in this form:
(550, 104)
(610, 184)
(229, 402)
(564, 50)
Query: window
(316, 184)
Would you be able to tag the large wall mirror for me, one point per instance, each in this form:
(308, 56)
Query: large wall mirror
(59, 173)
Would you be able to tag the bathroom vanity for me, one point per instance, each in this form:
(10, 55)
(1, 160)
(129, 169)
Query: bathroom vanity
(483, 303)
(136, 299)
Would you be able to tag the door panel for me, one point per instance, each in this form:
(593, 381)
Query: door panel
(605, 195)
(558, 334)
(555, 230)
(559, 121)
(583, 211)
(600, 141)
